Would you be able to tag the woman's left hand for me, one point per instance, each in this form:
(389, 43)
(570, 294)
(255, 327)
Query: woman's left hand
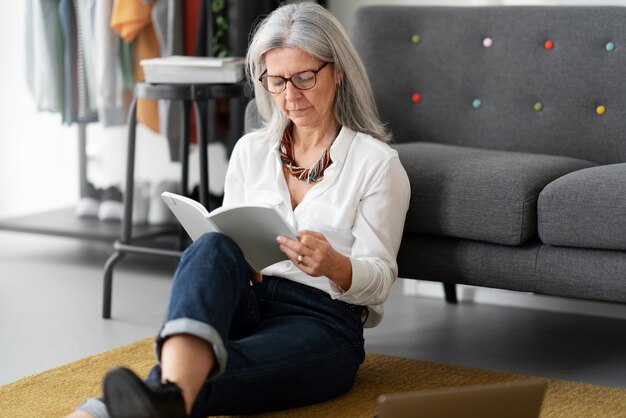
(314, 255)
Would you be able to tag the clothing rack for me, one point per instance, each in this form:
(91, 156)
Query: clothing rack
(64, 222)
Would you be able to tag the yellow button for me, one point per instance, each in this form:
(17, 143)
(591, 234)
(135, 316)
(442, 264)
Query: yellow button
(538, 106)
(416, 39)
(600, 110)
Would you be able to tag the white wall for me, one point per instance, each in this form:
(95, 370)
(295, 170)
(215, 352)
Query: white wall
(37, 154)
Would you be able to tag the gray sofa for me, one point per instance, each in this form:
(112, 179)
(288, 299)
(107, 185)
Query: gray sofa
(511, 123)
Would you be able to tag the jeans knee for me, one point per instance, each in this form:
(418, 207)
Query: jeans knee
(214, 243)
(209, 239)
(215, 240)
(215, 250)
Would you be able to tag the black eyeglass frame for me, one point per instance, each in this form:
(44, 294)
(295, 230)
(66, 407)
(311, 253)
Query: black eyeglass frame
(265, 76)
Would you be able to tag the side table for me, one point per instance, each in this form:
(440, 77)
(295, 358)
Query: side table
(192, 95)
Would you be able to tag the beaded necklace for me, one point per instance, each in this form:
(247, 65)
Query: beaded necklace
(308, 175)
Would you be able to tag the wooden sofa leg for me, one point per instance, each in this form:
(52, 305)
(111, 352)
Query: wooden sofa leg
(450, 290)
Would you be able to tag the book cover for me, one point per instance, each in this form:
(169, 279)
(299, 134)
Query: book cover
(188, 61)
(189, 70)
(253, 227)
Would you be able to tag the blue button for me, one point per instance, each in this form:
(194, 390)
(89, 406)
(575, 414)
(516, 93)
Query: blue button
(610, 46)
(476, 103)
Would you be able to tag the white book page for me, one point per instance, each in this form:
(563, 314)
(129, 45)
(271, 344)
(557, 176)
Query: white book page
(254, 229)
(190, 213)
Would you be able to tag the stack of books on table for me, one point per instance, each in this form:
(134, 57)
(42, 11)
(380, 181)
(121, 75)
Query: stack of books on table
(193, 70)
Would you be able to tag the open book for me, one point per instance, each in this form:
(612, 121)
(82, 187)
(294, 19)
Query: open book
(254, 228)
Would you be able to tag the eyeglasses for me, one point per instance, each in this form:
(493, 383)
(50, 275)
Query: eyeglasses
(304, 80)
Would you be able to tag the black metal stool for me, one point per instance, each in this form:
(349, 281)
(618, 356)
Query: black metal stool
(198, 96)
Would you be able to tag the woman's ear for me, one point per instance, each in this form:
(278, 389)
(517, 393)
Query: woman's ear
(338, 76)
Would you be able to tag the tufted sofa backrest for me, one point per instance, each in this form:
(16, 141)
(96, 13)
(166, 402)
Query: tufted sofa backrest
(534, 79)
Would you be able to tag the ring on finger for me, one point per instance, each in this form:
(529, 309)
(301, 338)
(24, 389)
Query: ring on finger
(300, 258)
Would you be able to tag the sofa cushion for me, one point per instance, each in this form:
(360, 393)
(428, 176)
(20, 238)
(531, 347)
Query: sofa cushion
(586, 208)
(478, 194)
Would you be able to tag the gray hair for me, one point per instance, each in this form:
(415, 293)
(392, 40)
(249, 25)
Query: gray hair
(313, 29)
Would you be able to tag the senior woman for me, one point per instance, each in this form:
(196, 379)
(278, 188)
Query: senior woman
(236, 341)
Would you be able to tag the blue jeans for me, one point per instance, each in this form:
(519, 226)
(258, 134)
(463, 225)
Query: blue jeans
(278, 344)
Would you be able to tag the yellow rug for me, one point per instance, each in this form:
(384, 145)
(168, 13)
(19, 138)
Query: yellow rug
(56, 392)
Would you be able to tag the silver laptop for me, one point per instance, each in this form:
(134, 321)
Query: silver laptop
(521, 399)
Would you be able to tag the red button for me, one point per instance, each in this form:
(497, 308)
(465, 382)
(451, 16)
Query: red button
(549, 44)
(416, 97)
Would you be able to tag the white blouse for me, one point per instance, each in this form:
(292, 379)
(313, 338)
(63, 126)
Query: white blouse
(360, 206)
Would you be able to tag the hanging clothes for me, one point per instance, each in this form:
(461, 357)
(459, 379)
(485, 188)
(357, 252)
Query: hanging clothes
(75, 63)
(83, 56)
(167, 18)
(44, 54)
(192, 18)
(78, 88)
(85, 83)
(114, 90)
(132, 20)
(67, 19)
(193, 15)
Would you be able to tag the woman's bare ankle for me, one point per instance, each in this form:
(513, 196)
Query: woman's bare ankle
(187, 361)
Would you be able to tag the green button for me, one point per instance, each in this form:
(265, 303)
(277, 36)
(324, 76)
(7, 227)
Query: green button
(416, 39)
(538, 106)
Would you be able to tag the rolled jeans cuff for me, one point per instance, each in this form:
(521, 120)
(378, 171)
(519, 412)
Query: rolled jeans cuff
(95, 407)
(198, 329)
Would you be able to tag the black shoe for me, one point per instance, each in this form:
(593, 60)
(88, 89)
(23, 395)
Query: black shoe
(127, 396)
